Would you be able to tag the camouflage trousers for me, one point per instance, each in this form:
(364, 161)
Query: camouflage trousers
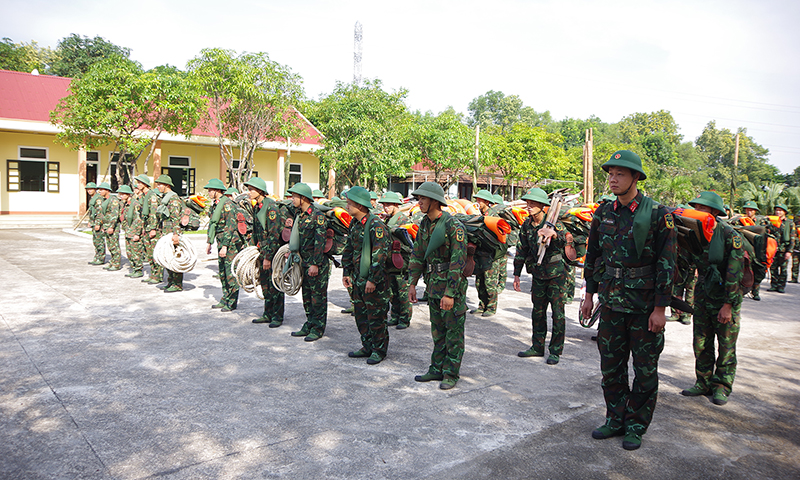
(230, 289)
(370, 311)
(112, 243)
(759, 274)
(778, 272)
(706, 327)
(490, 283)
(447, 330)
(135, 252)
(274, 299)
(174, 279)
(551, 292)
(398, 298)
(795, 266)
(315, 299)
(99, 242)
(620, 336)
(156, 270)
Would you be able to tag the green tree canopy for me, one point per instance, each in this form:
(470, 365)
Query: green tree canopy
(77, 54)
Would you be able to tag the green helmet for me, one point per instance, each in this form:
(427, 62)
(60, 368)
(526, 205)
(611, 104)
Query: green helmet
(709, 199)
(373, 196)
(125, 189)
(143, 178)
(165, 179)
(783, 207)
(391, 197)
(231, 191)
(360, 195)
(537, 195)
(431, 190)
(498, 199)
(104, 186)
(91, 185)
(257, 183)
(215, 184)
(751, 204)
(317, 193)
(485, 195)
(627, 159)
(302, 189)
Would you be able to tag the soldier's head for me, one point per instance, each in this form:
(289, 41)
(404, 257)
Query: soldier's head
(256, 188)
(708, 202)
(780, 210)
(359, 202)
(484, 199)
(391, 202)
(624, 170)
(373, 199)
(215, 187)
(536, 201)
(164, 183)
(124, 193)
(104, 189)
(142, 183)
(91, 188)
(301, 195)
(431, 197)
(751, 209)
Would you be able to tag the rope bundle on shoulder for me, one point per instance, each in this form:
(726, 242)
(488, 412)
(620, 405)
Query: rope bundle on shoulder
(245, 270)
(287, 274)
(179, 258)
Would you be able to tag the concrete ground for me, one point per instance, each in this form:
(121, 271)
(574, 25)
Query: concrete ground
(105, 377)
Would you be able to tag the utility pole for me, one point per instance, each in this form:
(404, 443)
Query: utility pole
(735, 168)
(477, 164)
(588, 168)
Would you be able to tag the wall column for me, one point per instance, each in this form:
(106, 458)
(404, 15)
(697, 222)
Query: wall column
(81, 181)
(280, 187)
(157, 160)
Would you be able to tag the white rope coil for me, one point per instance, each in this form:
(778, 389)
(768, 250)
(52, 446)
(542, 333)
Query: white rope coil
(290, 282)
(179, 258)
(246, 272)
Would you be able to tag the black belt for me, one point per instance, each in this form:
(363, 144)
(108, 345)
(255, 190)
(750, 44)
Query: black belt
(438, 267)
(637, 272)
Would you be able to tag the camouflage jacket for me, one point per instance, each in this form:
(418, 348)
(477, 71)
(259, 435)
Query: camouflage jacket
(442, 269)
(312, 225)
(625, 282)
(495, 210)
(351, 257)
(171, 209)
(95, 206)
(715, 288)
(226, 230)
(267, 234)
(150, 203)
(110, 212)
(784, 235)
(397, 219)
(131, 218)
(553, 264)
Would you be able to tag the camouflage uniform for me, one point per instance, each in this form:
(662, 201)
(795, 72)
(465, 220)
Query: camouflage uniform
(131, 220)
(98, 236)
(267, 226)
(443, 277)
(110, 212)
(150, 219)
(718, 284)
(549, 285)
(684, 285)
(492, 280)
(370, 308)
(170, 211)
(398, 282)
(759, 269)
(225, 231)
(630, 287)
(312, 225)
(785, 240)
(795, 252)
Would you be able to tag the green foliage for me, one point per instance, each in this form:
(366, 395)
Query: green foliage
(77, 54)
(765, 196)
(441, 143)
(530, 154)
(495, 111)
(21, 57)
(635, 127)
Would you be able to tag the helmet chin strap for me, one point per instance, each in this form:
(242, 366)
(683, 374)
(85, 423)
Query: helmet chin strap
(633, 182)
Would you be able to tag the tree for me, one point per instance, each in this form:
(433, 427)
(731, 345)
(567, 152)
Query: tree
(77, 54)
(252, 100)
(21, 57)
(366, 133)
(638, 125)
(442, 143)
(530, 154)
(495, 109)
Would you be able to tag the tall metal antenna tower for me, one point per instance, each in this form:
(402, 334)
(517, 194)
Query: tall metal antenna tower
(357, 37)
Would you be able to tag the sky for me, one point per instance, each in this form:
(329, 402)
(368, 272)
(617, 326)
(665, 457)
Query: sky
(734, 62)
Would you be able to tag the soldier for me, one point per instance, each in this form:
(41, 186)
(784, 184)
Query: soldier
(364, 262)
(96, 223)
(308, 241)
(169, 210)
(150, 201)
(796, 249)
(231, 192)
(131, 220)
(631, 259)
(267, 226)
(785, 239)
(549, 283)
(223, 227)
(440, 254)
(109, 210)
(486, 271)
(397, 277)
(718, 304)
(317, 195)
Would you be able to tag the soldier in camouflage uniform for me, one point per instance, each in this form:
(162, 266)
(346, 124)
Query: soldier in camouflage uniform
(170, 209)
(795, 250)
(718, 304)
(630, 262)
(131, 220)
(684, 285)
(150, 201)
(751, 210)
(486, 271)
(308, 241)
(267, 226)
(223, 228)
(110, 213)
(397, 277)
(549, 284)
(364, 262)
(785, 240)
(440, 254)
(96, 223)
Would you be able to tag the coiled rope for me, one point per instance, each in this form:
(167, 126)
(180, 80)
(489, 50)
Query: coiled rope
(179, 258)
(287, 277)
(246, 272)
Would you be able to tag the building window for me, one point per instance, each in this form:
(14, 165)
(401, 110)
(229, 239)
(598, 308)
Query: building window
(180, 161)
(295, 174)
(183, 177)
(31, 172)
(125, 170)
(235, 164)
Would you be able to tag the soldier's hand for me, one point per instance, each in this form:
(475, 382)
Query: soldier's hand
(208, 249)
(547, 233)
(788, 256)
(110, 231)
(412, 293)
(223, 252)
(724, 316)
(176, 239)
(587, 306)
(516, 284)
(370, 287)
(313, 271)
(289, 222)
(267, 264)
(657, 320)
(97, 228)
(152, 233)
(136, 238)
(346, 282)
(446, 303)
